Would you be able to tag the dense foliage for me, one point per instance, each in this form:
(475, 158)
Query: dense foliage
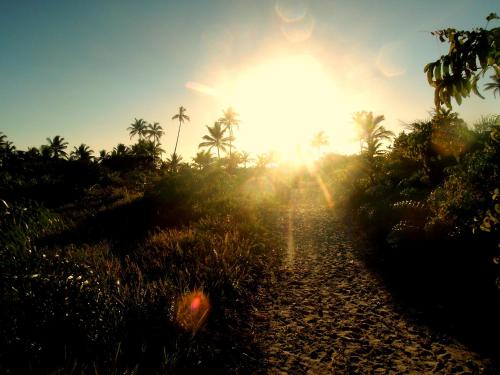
(99, 257)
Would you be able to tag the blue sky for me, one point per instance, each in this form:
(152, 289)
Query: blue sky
(85, 69)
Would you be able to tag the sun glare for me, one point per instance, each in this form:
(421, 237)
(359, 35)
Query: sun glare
(283, 102)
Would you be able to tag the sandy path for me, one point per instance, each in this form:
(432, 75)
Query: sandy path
(329, 314)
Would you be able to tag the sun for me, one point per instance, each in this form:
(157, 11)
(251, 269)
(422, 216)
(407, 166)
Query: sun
(283, 102)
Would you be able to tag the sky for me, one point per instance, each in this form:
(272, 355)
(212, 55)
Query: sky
(85, 69)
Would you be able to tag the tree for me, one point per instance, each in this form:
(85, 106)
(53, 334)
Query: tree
(120, 150)
(216, 138)
(7, 148)
(103, 155)
(371, 133)
(173, 162)
(245, 158)
(155, 131)
(33, 152)
(264, 159)
(486, 123)
(470, 56)
(57, 147)
(181, 116)
(203, 159)
(82, 153)
(147, 149)
(319, 140)
(229, 120)
(138, 127)
(3, 139)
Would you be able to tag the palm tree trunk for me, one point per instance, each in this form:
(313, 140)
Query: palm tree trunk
(218, 153)
(230, 141)
(178, 132)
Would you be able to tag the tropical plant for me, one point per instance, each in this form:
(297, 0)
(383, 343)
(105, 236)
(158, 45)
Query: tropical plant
(264, 159)
(229, 120)
(155, 131)
(216, 138)
(181, 116)
(371, 133)
(319, 140)
(45, 151)
(173, 162)
(456, 74)
(3, 139)
(139, 127)
(245, 158)
(6, 147)
(102, 155)
(82, 152)
(33, 152)
(486, 123)
(57, 147)
(120, 150)
(495, 84)
(203, 159)
(146, 148)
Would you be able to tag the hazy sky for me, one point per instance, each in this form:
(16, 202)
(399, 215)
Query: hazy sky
(85, 69)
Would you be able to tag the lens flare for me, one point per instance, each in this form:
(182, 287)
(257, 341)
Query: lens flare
(291, 10)
(389, 61)
(290, 238)
(201, 88)
(322, 185)
(192, 311)
(299, 31)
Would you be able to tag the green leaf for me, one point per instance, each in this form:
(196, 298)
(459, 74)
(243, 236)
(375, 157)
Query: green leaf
(437, 71)
(429, 68)
(474, 86)
(437, 99)
(446, 68)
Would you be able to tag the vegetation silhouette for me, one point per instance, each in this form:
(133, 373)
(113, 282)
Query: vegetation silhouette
(319, 140)
(181, 116)
(229, 120)
(216, 138)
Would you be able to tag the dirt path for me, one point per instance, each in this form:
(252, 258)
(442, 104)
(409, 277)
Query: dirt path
(329, 314)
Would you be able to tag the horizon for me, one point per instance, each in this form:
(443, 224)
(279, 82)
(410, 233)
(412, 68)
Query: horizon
(85, 71)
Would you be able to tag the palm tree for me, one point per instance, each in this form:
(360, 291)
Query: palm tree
(138, 127)
(203, 159)
(229, 120)
(155, 131)
(7, 148)
(263, 160)
(173, 162)
(495, 85)
(371, 133)
(45, 151)
(319, 140)
(120, 150)
(181, 116)
(3, 139)
(33, 152)
(216, 138)
(148, 149)
(245, 158)
(82, 152)
(102, 155)
(56, 147)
